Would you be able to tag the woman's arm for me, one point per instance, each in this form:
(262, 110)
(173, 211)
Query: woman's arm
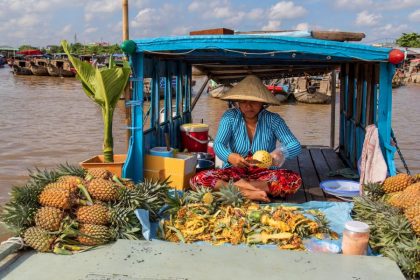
(224, 132)
(286, 137)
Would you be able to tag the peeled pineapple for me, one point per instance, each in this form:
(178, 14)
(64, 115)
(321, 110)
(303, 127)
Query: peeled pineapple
(396, 183)
(264, 158)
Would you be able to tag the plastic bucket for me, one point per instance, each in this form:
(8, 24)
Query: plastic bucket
(195, 137)
(162, 152)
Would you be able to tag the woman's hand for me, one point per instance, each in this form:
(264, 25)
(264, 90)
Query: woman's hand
(278, 157)
(251, 190)
(237, 160)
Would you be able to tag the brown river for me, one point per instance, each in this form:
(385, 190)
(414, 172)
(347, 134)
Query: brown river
(45, 121)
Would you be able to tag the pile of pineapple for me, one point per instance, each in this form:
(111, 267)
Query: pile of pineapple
(226, 217)
(70, 209)
(392, 210)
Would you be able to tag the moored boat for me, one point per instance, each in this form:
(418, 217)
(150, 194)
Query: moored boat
(60, 68)
(39, 67)
(21, 67)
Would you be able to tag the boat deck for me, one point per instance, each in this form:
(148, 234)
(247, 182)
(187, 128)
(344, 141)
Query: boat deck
(313, 164)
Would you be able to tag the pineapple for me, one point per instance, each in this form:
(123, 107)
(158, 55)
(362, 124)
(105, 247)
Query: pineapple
(98, 173)
(62, 185)
(125, 223)
(38, 239)
(373, 190)
(230, 195)
(264, 158)
(103, 190)
(201, 195)
(58, 198)
(416, 178)
(93, 234)
(413, 216)
(150, 195)
(74, 180)
(49, 218)
(409, 196)
(96, 214)
(396, 183)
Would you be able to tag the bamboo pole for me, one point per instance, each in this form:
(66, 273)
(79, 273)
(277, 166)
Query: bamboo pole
(333, 95)
(127, 91)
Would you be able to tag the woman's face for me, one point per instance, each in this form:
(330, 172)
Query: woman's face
(250, 109)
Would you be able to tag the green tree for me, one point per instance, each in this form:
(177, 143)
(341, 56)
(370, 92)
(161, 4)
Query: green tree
(27, 47)
(409, 40)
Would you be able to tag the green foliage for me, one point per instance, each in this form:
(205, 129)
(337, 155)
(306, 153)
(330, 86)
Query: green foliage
(104, 86)
(409, 40)
(27, 47)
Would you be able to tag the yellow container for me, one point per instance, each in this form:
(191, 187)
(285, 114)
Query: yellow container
(179, 168)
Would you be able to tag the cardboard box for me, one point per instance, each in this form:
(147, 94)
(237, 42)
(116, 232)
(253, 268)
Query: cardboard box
(180, 169)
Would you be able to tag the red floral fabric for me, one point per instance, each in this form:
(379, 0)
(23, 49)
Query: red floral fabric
(281, 181)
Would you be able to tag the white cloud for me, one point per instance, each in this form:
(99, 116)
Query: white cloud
(366, 19)
(102, 6)
(181, 30)
(91, 30)
(286, 9)
(88, 16)
(415, 16)
(401, 4)
(353, 3)
(195, 6)
(302, 26)
(391, 30)
(145, 18)
(222, 12)
(66, 29)
(256, 14)
(272, 25)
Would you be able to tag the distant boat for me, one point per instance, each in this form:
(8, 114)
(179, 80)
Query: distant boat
(21, 67)
(39, 67)
(60, 68)
(280, 91)
(307, 94)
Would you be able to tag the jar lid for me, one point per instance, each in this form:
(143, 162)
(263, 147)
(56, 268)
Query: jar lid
(356, 226)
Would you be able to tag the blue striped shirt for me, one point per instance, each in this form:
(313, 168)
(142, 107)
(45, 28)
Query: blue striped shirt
(232, 136)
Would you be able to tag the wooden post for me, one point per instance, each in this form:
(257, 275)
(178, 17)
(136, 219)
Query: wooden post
(333, 94)
(125, 19)
(127, 91)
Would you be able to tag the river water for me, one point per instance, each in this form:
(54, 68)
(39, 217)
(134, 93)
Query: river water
(45, 121)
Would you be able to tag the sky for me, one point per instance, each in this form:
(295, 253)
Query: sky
(47, 22)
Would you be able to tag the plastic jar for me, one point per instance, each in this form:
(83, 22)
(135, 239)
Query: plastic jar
(355, 238)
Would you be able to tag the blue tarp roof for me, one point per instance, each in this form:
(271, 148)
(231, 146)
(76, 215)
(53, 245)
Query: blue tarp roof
(262, 46)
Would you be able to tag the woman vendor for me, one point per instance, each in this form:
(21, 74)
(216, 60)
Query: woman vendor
(244, 130)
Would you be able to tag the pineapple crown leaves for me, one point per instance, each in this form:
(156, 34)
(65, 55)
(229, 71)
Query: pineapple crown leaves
(196, 195)
(73, 170)
(230, 195)
(43, 177)
(17, 217)
(174, 201)
(406, 256)
(373, 190)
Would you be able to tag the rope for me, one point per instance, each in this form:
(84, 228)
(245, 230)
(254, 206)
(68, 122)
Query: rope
(14, 240)
(399, 152)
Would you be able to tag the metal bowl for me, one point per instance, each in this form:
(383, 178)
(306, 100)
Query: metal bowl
(204, 164)
(207, 156)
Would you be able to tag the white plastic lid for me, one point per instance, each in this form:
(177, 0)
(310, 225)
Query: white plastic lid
(356, 226)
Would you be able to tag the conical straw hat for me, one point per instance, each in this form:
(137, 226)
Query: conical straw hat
(251, 88)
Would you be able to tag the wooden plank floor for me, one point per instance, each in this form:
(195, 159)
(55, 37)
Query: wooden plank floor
(313, 164)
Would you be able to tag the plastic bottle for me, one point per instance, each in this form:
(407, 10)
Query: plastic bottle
(355, 238)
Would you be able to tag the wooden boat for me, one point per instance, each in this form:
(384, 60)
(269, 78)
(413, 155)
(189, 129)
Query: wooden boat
(306, 94)
(21, 67)
(39, 67)
(364, 72)
(60, 68)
